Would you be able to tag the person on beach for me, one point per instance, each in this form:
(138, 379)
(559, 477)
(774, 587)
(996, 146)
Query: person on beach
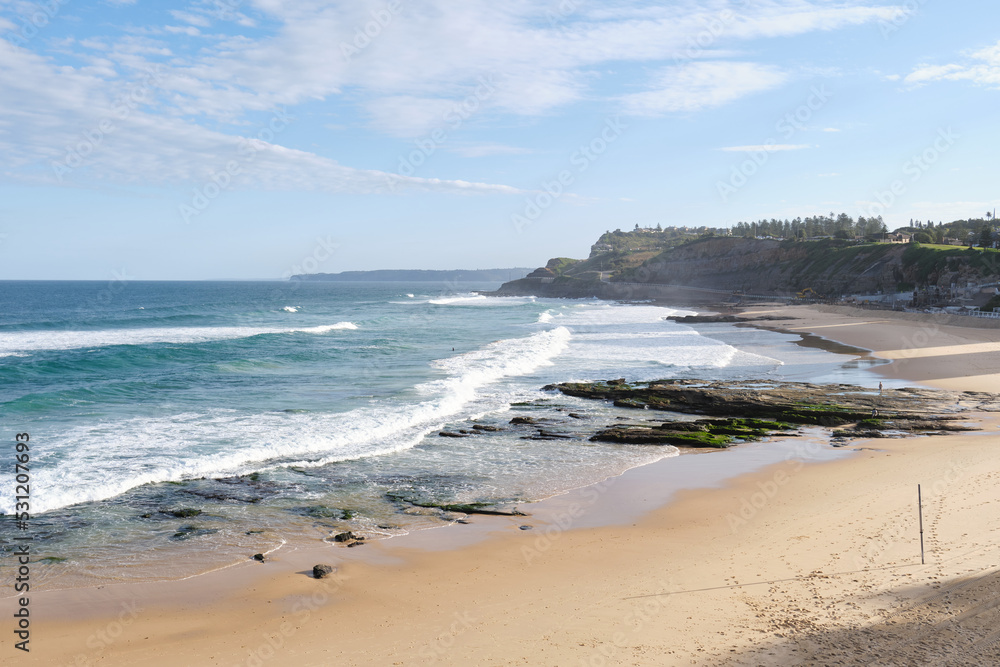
(879, 388)
(874, 413)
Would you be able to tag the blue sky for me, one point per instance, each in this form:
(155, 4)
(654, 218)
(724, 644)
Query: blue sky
(253, 139)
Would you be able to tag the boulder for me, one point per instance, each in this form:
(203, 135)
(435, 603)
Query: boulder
(320, 571)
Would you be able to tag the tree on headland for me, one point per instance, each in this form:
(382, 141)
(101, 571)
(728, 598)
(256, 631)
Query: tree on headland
(986, 237)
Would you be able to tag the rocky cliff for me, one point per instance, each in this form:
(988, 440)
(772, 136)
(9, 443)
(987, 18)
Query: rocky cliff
(761, 266)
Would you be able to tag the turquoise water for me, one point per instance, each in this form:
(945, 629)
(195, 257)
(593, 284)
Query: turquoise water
(284, 412)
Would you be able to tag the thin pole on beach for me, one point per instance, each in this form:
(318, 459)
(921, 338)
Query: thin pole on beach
(920, 513)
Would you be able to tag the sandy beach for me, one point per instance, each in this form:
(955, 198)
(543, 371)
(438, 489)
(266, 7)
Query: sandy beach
(793, 564)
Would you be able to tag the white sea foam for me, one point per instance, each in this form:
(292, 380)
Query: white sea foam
(469, 299)
(638, 342)
(459, 300)
(218, 442)
(32, 341)
(290, 309)
(324, 328)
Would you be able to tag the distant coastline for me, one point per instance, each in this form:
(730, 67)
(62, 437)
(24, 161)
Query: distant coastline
(419, 275)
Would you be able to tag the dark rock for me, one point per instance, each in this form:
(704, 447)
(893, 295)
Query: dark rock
(452, 434)
(189, 531)
(524, 420)
(344, 537)
(320, 571)
(247, 489)
(716, 433)
(577, 415)
(320, 512)
(790, 402)
(548, 435)
(358, 543)
(525, 527)
(464, 508)
(484, 427)
(184, 512)
(259, 557)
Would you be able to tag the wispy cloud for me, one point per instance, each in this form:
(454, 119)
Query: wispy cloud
(766, 148)
(701, 85)
(486, 150)
(406, 76)
(982, 67)
(92, 132)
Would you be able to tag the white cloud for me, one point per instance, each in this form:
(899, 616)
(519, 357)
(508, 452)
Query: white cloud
(982, 67)
(766, 148)
(701, 85)
(91, 132)
(485, 150)
(193, 19)
(188, 30)
(436, 49)
(419, 68)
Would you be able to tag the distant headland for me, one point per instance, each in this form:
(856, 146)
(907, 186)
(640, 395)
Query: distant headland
(823, 258)
(419, 275)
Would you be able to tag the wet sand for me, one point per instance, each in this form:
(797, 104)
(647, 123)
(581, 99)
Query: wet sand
(795, 563)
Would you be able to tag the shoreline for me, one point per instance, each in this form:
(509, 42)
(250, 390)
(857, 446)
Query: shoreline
(496, 542)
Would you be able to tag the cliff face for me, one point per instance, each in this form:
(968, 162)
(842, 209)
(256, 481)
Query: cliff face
(776, 267)
(760, 266)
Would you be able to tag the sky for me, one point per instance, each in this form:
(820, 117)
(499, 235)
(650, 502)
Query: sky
(255, 139)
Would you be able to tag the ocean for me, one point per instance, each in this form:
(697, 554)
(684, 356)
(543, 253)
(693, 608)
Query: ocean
(181, 426)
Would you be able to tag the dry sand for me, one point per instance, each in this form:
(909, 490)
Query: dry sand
(794, 564)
